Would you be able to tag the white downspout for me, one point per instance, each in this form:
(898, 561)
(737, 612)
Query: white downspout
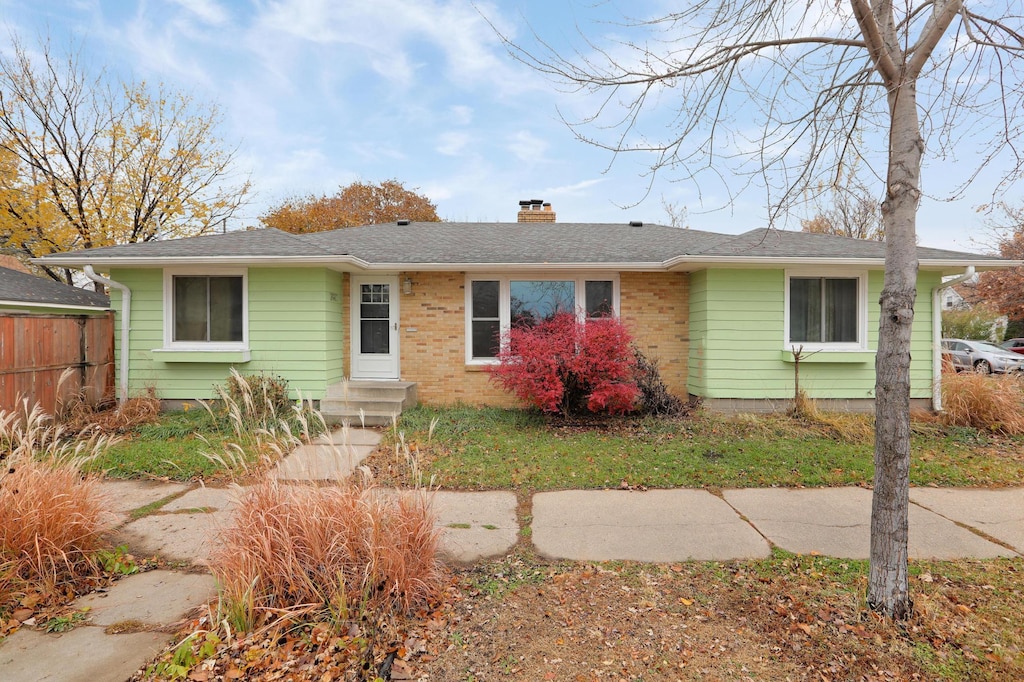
(937, 336)
(126, 316)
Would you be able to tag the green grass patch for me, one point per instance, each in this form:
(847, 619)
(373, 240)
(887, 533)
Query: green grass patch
(179, 458)
(176, 447)
(514, 449)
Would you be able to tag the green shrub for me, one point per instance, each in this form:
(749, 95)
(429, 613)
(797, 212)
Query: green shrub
(979, 323)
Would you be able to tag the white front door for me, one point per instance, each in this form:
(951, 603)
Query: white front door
(375, 327)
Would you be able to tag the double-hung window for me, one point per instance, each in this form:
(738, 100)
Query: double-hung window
(826, 311)
(204, 311)
(495, 304)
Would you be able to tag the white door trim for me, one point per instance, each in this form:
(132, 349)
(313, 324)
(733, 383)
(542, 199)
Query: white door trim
(376, 365)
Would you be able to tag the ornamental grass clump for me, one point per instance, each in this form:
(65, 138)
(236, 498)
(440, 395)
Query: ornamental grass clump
(330, 552)
(52, 517)
(568, 366)
(993, 403)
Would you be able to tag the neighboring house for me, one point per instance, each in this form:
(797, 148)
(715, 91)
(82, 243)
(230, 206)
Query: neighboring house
(22, 292)
(953, 300)
(46, 329)
(423, 302)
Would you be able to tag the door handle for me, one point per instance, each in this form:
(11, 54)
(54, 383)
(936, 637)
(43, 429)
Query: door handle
(395, 326)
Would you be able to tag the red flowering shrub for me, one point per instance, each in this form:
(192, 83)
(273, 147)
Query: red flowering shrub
(568, 366)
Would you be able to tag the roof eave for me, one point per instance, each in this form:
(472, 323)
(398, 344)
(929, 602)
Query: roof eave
(172, 261)
(61, 306)
(697, 262)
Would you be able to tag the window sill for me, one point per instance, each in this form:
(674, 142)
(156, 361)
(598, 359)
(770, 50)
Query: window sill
(219, 355)
(831, 356)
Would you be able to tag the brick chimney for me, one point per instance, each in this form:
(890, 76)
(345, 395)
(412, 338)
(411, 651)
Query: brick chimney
(535, 211)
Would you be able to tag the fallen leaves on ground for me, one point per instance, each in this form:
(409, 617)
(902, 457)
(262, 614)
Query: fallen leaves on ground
(526, 619)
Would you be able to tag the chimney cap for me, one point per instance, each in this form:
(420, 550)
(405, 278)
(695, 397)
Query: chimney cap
(525, 202)
(536, 202)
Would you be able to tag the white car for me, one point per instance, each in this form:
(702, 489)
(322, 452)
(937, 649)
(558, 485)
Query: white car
(981, 357)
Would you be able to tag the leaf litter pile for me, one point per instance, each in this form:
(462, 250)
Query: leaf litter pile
(521, 618)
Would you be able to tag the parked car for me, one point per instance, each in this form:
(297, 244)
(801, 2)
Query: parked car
(981, 357)
(1016, 345)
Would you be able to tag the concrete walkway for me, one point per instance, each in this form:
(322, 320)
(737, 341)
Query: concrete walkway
(180, 523)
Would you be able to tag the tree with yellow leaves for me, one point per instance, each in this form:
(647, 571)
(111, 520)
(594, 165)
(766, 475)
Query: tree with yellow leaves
(360, 203)
(84, 163)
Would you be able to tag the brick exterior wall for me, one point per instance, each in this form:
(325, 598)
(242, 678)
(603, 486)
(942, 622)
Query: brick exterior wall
(433, 343)
(655, 308)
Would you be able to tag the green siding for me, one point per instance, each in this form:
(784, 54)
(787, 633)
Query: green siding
(295, 331)
(737, 337)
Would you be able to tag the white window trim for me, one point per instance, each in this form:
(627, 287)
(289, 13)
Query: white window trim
(862, 310)
(170, 343)
(504, 299)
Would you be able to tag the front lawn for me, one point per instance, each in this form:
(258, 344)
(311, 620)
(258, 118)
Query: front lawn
(514, 449)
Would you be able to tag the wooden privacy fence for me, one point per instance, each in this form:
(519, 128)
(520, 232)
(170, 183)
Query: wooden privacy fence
(36, 349)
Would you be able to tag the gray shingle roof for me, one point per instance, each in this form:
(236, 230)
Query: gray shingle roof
(264, 242)
(511, 243)
(783, 244)
(25, 288)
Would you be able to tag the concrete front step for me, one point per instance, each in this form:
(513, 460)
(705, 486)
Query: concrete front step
(369, 403)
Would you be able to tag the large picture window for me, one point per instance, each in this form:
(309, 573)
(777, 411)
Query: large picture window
(205, 310)
(825, 310)
(496, 304)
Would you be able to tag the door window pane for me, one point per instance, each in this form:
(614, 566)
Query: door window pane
(375, 318)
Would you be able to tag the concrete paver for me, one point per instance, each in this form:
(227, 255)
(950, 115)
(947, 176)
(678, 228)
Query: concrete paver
(476, 525)
(350, 436)
(656, 525)
(176, 537)
(997, 513)
(127, 496)
(837, 522)
(217, 499)
(85, 654)
(321, 462)
(154, 598)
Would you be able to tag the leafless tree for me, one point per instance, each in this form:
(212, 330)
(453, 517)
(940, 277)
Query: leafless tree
(676, 213)
(789, 93)
(847, 211)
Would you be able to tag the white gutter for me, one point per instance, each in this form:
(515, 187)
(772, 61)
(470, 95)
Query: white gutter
(937, 336)
(126, 316)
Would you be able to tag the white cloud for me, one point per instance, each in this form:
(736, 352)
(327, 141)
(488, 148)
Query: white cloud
(461, 114)
(575, 189)
(452, 143)
(208, 11)
(527, 146)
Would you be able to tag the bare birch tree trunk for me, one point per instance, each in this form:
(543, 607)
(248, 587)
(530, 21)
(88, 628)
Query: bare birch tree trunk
(888, 586)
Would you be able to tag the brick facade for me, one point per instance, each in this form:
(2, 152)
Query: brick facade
(654, 307)
(433, 343)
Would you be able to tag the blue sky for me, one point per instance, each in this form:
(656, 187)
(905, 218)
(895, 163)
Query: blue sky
(319, 93)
